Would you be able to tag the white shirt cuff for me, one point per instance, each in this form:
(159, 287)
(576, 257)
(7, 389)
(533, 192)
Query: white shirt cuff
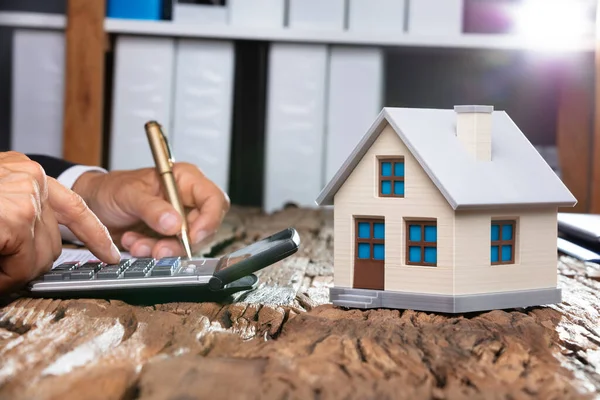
(68, 179)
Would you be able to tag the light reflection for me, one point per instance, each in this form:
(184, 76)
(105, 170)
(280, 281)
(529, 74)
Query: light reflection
(554, 24)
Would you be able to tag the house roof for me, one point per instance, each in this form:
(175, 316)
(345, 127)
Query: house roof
(517, 175)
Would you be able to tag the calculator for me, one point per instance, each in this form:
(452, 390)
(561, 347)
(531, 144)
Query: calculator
(170, 277)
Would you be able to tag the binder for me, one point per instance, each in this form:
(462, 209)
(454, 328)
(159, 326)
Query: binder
(38, 80)
(435, 17)
(377, 16)
(295, 124)
(317, 14)
(200, 14)
(203, 106)
(257, 13)
(355, 98)
(143, 87)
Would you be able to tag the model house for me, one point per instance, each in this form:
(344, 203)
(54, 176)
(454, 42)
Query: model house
(446, 211)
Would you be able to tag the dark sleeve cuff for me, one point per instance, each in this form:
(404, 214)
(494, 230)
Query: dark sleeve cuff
(53, 166)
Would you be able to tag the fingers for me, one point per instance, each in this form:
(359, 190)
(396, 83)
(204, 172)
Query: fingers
(210, 201)
(17, 248)
(23, 165)
(211, 214)
(156, 212)
(141, 246)
(47, 239)
(29, 236)
(71, 210)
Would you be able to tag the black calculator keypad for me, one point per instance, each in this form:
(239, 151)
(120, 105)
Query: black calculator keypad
(61, 272)
(54, 276)
(127, 268)
(81, 275)
(165, 266)
(68, 266)
(113, 271)
(93, 266)
(139, 268)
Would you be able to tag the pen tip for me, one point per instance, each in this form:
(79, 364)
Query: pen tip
(186, 245)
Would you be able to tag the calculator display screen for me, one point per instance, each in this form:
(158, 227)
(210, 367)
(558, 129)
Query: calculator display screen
(199, 266)
(235, 257)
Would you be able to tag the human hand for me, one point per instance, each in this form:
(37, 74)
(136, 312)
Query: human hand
(128, 202)
(31, 207)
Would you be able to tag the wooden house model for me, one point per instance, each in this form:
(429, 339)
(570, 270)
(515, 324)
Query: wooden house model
(446, 211)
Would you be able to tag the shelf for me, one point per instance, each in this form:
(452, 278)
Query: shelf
(171, 29)
(167, 28)
(32, 20)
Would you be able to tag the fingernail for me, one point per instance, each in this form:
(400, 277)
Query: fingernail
(115, 252)
(165, 252)
(168, 221)
(143, 251)
(128, 241)
(200, 236)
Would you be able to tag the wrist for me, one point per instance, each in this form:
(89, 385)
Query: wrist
(87, 185)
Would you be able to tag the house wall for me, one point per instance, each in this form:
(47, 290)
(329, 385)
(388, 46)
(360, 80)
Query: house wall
(535, 252)
(358, 198)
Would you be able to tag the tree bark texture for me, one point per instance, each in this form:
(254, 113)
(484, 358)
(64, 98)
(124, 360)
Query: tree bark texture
(284, 341)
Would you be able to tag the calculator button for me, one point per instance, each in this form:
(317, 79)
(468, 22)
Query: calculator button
(145, 261)
(161, 271)
(139, 268)
(165, 266)
(112, 272)
(90, 266)
(81, 275)
(68, 266)
(123, 264)
(52, 277)
(167, 261)
(133, 272)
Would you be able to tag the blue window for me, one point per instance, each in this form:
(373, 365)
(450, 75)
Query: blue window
(414, 254)
(386, 188)
(364, 250)
(378, 251)
(370, 239)
(378, 230)
(503, 242)
(421, 243)
(391, 177)
(364, 230)
(415, 233)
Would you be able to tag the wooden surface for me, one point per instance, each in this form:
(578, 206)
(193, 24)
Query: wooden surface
(85, 46)
(283, 341)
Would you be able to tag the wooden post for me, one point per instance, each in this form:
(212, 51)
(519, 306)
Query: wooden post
(595, 182)
(84, 83)
(574, 129)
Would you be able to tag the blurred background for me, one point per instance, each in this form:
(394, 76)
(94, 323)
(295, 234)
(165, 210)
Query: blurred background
(268, 97)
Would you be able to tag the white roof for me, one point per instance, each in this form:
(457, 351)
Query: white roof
(517, 175)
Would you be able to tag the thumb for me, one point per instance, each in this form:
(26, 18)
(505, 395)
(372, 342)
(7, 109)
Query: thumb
(155, 211)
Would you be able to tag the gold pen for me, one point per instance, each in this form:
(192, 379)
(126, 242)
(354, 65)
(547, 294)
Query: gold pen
(163, 159)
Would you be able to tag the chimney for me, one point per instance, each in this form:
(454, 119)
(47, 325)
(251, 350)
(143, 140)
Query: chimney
(474, 130)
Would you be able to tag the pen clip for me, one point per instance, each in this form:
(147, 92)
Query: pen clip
(167, 147)
(159, 144)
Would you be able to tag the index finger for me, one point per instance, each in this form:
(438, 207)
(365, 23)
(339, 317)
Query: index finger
(71, 211)
(210, 201)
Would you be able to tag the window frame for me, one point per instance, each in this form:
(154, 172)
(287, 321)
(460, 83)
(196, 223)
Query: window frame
(422, 244)
(500, 242)
(371, 240)
(392, 178)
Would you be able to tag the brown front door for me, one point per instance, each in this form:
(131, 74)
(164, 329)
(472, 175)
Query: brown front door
(369, 253)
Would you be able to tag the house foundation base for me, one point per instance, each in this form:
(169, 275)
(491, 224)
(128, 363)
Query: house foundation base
(364, 298)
